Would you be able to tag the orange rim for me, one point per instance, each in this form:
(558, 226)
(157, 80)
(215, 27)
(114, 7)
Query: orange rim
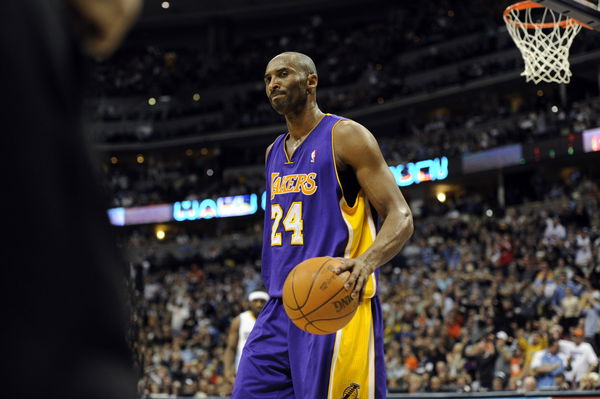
(524, 5)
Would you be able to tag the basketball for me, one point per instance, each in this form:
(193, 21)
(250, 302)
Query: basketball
(314, 296)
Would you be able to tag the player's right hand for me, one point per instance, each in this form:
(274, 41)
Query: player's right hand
(359, 275)
(104, 23)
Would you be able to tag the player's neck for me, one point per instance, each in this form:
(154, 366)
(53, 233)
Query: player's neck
(303, 122)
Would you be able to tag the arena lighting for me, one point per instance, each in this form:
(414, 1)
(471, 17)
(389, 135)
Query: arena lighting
(160, 234)
(152, 101)
(247, 204)
(591, 140)
(421, 171)
(165, 4)
(239, 205)
(495, 158)
(441, 197)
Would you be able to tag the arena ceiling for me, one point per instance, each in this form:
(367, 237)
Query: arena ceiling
(166, 13)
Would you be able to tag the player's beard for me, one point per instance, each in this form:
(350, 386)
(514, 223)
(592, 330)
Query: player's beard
(294, 102)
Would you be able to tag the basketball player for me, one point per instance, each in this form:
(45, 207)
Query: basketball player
(325, 177)
(239, 330)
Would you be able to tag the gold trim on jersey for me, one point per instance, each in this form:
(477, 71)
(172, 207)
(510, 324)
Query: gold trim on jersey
(289, 158)
(337, 176)
(361, 232)
(353, 362)
(359, 220)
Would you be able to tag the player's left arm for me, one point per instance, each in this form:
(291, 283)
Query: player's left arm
(229, 355)
(356, 148)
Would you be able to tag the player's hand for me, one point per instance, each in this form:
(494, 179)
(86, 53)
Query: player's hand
(359, 275)
(104, 23)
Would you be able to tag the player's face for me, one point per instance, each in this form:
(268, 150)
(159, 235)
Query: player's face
(285, 85)
(257, 305)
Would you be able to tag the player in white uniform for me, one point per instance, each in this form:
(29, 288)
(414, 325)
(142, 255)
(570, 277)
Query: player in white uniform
(238, 333)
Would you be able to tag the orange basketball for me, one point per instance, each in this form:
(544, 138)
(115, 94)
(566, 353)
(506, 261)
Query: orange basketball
(314, 296)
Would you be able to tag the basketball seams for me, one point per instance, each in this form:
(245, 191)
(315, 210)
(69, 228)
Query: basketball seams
(335, 318)
(298, 315)
(324, 303)
(294, 291)
(294, 294)
(312, 322)
(314, 277)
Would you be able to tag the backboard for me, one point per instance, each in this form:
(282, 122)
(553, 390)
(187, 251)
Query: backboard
(586, 11)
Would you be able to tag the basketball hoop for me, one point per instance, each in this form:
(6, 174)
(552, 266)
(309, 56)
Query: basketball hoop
(544, 38)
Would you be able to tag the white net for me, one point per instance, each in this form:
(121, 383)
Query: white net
(544, 38)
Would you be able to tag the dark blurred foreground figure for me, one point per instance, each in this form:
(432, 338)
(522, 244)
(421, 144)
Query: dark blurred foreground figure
(65, 318)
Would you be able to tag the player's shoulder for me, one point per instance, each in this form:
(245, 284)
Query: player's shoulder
(351, 138)
(344, 124)
(346, 128)
(270, 147)
(268, 150)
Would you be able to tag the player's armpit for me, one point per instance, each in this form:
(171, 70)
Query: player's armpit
(356, 148)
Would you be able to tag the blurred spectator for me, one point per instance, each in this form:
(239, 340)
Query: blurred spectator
(590, 382)
(529, 384)
(591, 312)
(561, 383)
(547, 363)
(499, 381)
(536, 342)
(504, 356)
(581, 358)
(555, 232)
(484, 353)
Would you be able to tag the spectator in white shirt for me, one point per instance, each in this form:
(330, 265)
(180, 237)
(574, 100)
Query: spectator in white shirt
(555, 232)
(583, 245)
(581, 358)
(591, 311)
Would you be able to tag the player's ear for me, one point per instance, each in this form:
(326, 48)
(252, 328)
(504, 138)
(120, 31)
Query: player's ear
(311, 82)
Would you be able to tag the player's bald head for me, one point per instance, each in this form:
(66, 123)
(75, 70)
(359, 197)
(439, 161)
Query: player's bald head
(301, 62)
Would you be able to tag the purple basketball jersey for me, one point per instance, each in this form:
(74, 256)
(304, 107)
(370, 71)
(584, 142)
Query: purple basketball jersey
(303, 218)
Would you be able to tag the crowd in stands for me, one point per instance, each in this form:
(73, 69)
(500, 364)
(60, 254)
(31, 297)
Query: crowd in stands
(402, 52)
(473, 303)
(325, 36)
(163, 179)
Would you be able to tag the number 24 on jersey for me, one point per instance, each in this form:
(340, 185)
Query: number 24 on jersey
(291, 222)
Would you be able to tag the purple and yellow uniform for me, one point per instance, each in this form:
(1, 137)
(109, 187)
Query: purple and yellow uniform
(307, 216)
